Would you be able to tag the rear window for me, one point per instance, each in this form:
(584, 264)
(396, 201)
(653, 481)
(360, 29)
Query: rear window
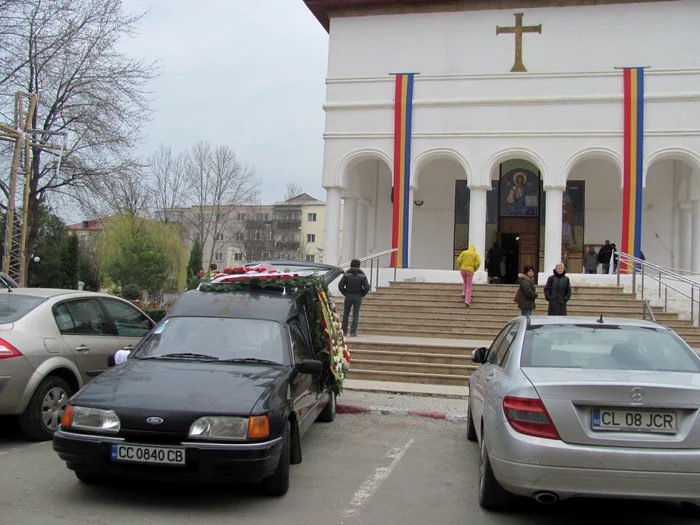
(14, 306)
(607, 348)
(219, 337)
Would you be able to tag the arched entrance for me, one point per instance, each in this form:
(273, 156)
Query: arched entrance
(591, 206)
(367, 208)
(440, 222)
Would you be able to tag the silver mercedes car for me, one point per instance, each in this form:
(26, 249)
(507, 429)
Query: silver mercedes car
(586, 407)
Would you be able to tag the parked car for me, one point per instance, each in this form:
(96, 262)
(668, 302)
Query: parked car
(223, 389)
(570, 406)
(52, 342)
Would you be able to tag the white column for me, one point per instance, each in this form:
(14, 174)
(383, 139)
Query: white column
(330, 242)
(477, 220)
(552, 224)
(685, 218)
(349, 229)
(695, 236)
(361, 243)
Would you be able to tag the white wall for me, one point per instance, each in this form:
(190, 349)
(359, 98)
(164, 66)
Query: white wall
(658, 211)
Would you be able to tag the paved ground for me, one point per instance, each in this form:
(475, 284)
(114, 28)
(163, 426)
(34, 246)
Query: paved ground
(361, 469)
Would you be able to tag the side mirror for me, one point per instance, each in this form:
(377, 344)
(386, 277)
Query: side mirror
(110, 361)
(309, 366)
(479, 355)
(119, 357)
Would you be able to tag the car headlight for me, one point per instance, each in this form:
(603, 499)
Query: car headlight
(85, 418)
(211, 427)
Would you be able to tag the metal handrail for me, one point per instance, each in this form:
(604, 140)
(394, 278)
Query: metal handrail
(662, 276)
(646, 307)
(373, 285)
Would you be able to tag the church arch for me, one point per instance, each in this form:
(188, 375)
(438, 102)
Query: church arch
(354, 158)
(685, 155)
(428, 156)
(594, 153)
(515, 153)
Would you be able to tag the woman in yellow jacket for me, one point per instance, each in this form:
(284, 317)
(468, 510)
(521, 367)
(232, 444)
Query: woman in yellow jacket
(468, 262)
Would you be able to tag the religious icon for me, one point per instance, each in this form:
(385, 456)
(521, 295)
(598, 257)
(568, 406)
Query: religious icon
(522, 189)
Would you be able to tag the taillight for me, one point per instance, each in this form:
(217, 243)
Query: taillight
(7, 350)
(530, 417)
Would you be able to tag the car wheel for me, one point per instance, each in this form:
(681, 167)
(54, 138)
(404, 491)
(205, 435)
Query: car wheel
(491, 495)
(328, 414)
(278, 483)
(471, 430)
(45, 410)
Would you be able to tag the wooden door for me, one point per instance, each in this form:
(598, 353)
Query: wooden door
(529, 251)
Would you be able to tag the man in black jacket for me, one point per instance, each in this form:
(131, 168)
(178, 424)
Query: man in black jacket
(354, 287)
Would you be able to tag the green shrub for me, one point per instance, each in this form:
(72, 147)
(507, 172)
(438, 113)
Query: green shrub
(131, 292)
(155, 313)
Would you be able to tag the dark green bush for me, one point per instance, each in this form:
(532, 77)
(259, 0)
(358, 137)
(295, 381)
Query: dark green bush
(155, 313)
(131, 292)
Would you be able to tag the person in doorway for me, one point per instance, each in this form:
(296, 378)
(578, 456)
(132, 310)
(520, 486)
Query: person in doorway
(213, 270)
(196, 280)
(557, 291)
(604, 256)
(590, 260)
(493, 263)
(354, 286)
(527, 293)
(468, 262)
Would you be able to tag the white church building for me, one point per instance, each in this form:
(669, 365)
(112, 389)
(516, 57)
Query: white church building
(547, 129)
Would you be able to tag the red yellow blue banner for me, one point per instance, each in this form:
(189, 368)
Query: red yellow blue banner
(403, 113)
(633, 161)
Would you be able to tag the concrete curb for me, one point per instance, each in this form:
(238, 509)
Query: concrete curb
(342, 408)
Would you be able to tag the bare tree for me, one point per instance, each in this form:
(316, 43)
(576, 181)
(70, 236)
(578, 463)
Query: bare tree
(292, 190)
(169, 182)
(66, 50)
(217, 184)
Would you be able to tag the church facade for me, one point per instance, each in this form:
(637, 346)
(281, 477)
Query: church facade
(546, 129)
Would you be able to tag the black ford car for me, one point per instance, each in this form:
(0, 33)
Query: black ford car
(222, 389)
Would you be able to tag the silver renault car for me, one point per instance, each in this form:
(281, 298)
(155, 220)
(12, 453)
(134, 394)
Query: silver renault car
(586, 407)
(52, 342)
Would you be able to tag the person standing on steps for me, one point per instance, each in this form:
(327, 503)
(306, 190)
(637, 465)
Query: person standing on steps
(557, 291)
(354, 286)
(468, 262)
(493, 263)
(527, 293)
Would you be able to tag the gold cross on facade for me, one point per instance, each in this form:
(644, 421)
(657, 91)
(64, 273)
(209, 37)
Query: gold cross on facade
(518, 30)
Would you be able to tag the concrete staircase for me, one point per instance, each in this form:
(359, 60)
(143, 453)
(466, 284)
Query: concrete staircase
(423, 333)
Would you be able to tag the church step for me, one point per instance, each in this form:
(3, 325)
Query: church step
(494, 288)
(486, 327)
(402, 347)
(384, 356)
(436, 332)
(496, 298)
(404, 377)
(413, 367)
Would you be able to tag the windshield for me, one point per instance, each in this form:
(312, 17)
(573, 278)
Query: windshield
(14, 306)
(607, 348)
(214, 338)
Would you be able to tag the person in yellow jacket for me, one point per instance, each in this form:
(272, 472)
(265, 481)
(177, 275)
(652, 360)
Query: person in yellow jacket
(468, 262)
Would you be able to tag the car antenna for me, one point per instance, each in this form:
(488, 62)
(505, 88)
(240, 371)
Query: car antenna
(600, 320)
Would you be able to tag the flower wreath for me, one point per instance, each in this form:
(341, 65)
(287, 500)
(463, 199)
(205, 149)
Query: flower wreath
(326, 332)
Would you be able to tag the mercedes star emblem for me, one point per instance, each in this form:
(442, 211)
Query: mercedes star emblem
(637, 394)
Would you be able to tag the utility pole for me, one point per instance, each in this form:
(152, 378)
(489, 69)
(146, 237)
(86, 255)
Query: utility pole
(15, 256)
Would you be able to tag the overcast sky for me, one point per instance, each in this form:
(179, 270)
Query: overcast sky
(246, 73)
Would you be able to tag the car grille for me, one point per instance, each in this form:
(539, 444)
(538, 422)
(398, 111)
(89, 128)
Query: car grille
(152, 437)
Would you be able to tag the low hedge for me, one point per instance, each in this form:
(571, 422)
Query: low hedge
(155, 313)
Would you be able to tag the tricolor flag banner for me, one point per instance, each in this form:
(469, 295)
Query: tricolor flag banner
(403, 111)
(633, 163)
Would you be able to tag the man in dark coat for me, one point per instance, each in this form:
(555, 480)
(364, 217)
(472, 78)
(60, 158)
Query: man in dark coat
(354, 286)
(604, 256)
(557, 291)
(493, 263)
(527, 293)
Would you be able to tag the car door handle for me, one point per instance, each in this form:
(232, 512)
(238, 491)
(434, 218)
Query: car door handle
(82, 348)
(129, 347)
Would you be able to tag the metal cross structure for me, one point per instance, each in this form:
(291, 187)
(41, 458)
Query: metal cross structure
(15, 256)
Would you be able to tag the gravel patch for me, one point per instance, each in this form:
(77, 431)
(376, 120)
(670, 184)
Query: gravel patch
(444, 405)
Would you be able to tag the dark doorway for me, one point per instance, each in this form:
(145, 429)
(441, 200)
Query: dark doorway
(510, 243)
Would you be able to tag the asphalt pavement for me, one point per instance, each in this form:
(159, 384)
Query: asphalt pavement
(364, 469)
